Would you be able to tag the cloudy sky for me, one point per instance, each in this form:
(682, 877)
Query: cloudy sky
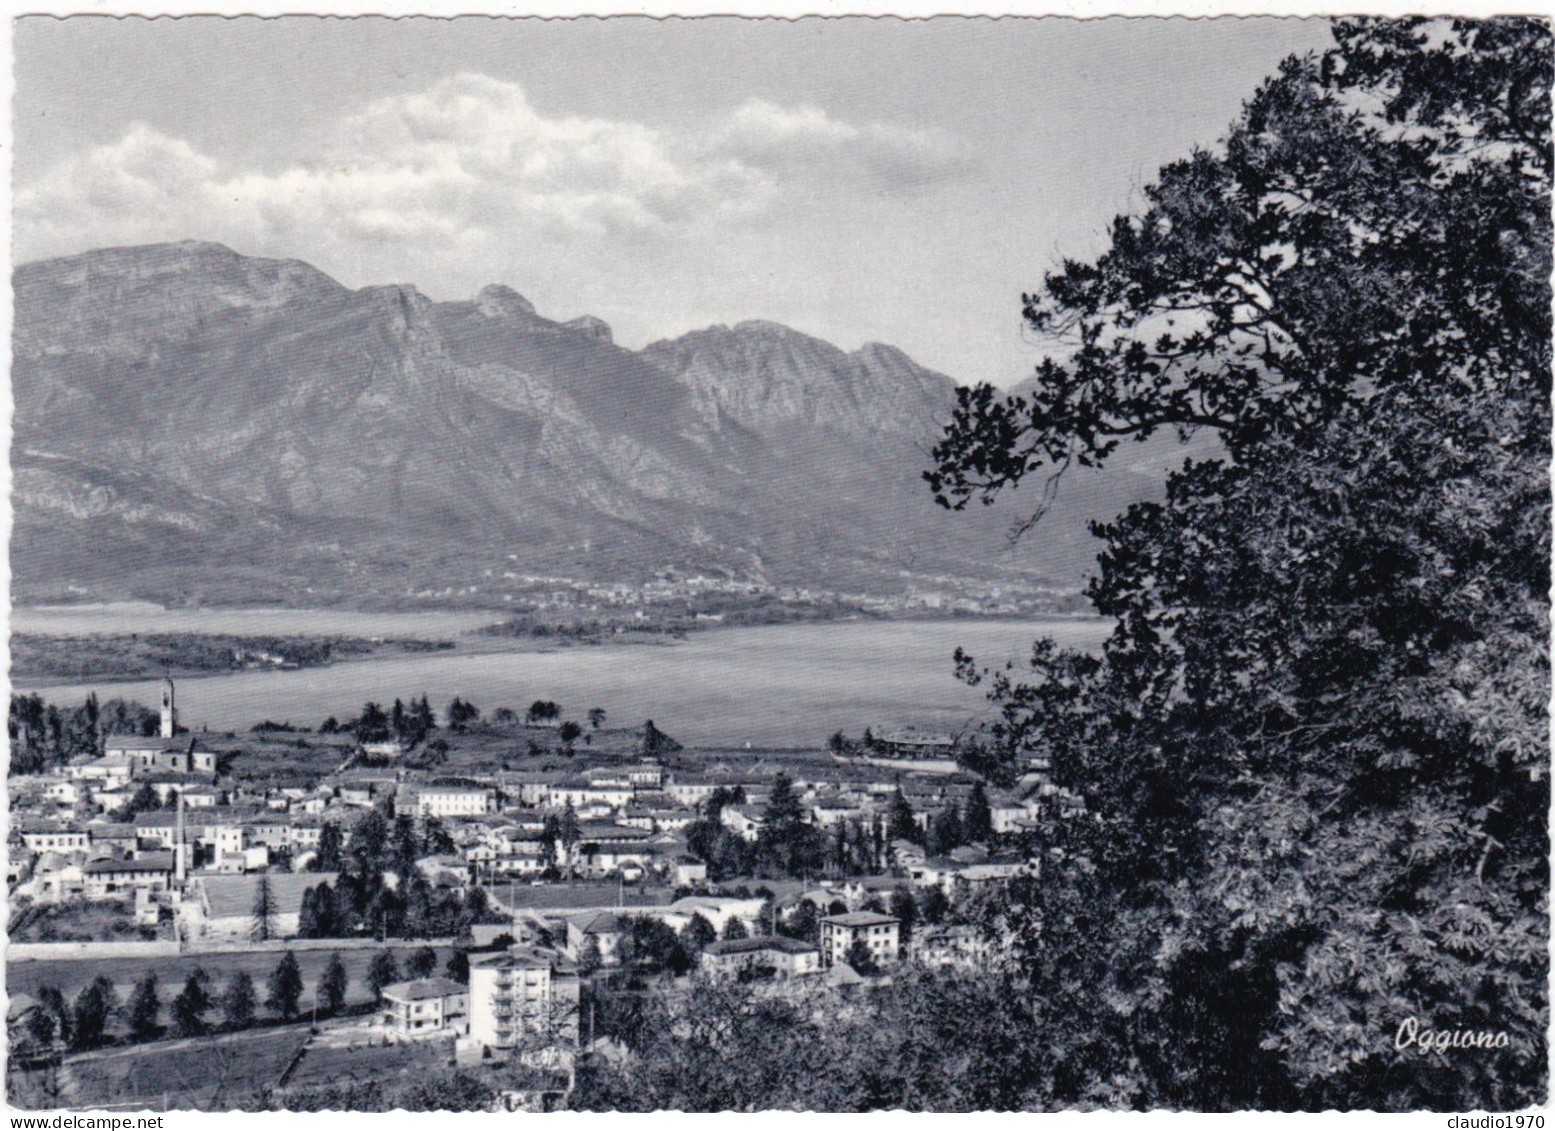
(861, 180)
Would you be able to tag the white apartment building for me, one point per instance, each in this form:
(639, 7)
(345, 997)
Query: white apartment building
(525, 995)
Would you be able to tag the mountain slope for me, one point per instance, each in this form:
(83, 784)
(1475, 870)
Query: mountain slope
(192, 424)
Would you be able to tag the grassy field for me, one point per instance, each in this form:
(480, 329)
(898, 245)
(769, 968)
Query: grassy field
(82, 922)
(388, 1065)
(209, 1074)
(70, 977)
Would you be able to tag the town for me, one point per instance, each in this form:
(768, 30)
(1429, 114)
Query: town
(458, 892)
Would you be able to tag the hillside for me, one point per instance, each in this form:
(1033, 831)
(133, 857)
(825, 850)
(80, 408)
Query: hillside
(197, 426)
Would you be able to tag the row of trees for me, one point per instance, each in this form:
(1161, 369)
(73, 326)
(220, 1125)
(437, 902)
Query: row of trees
(88, 1021)
(200, 1008)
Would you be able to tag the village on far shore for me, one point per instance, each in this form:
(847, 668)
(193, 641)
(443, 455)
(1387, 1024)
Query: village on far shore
(417, 889)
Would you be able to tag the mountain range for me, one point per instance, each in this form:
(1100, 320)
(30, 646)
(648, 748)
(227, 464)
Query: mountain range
(195, 426)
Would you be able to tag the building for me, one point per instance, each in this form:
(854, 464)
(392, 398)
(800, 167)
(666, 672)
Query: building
(454, 801)
(605, 929)
(880, 933)
(56, 838)
(425, 1005)
(105, 878)
(959, 945)
(524, 996)
(775, 956)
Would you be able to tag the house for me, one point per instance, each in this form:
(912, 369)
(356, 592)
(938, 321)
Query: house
(525, 995)
(63, 793)
(880, 933)
(605, 929)
(691, 791)
(425, 1005)
(383, 750)
(958, 945)
(1010, 813)
(689, 871)
(742, 820)
(782, 956)
(104, 878)
(107, 769)
(112, 839)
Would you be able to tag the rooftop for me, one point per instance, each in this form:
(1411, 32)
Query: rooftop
(233, 896)
(151, 862)
(861, 919)
(423, 988)
(151, 742)
(521, 957)
(764, 942)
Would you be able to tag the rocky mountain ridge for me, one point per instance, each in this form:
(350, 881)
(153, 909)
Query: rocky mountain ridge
(197, 425)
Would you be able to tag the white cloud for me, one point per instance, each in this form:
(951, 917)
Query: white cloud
(470, 160)
(881, 156)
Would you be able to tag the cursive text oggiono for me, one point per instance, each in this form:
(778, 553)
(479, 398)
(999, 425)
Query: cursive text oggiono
(1412, 1033)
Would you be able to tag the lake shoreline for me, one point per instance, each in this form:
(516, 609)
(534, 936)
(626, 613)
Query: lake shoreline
(785, 686)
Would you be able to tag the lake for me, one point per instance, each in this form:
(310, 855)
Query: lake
(773, 686)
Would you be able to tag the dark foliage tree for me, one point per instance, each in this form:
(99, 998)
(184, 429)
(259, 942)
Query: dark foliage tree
(422, 962)
(735, 929)
(309, 923)
(42, 1028)
(655, 743)
(697, 933)
(263, 913)
(144, 1008)
(1313, 756)
(457, 968)
(901, 824)
(542, 711)
(860, 958)
(372, 725)
(52, 1002)
(977, 817)
(462, 714)
(187, 1011)
(239, 1001)
(89, 1021)
(904, 909)
(382, 971)
(333, 983)
(330, 855)
(284, 987)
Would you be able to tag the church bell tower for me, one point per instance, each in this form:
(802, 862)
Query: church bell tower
(169, 712)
